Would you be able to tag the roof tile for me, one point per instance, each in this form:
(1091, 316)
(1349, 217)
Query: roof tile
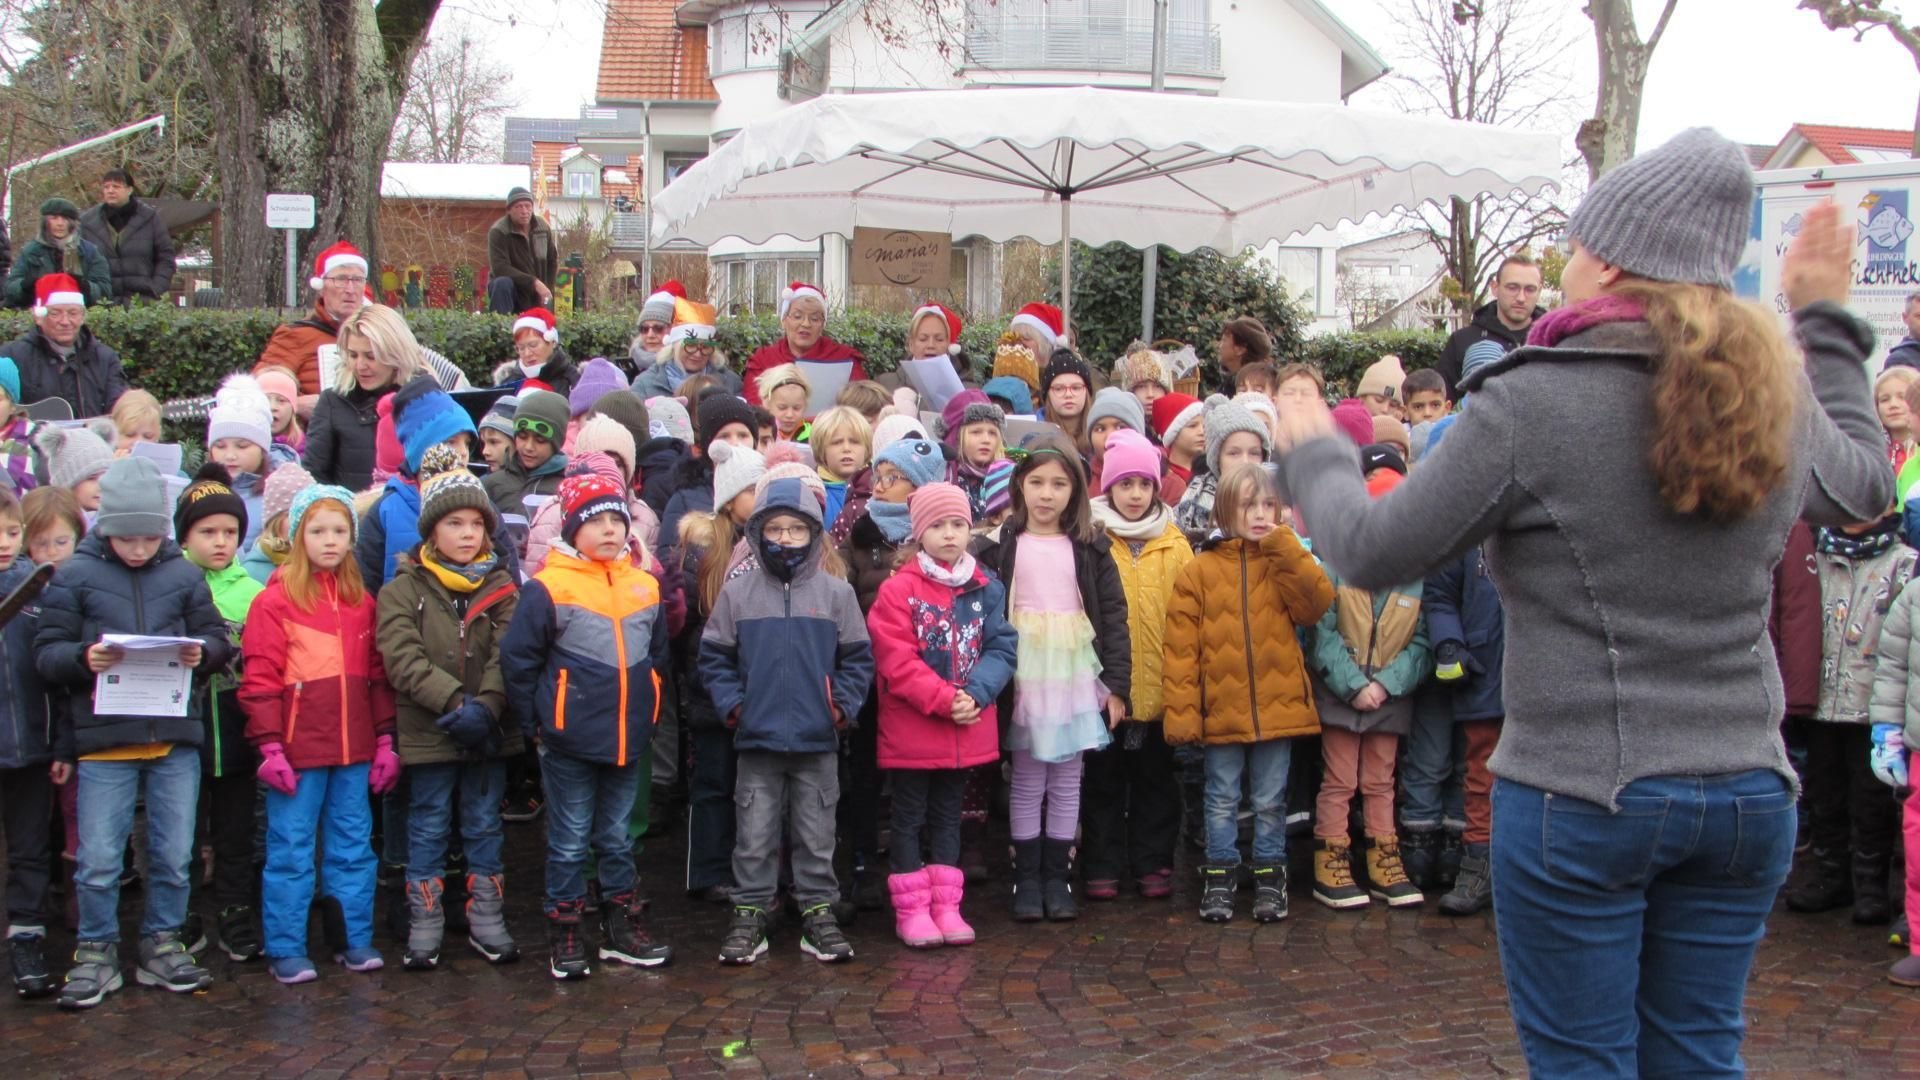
(1832, 140)
(644, 55)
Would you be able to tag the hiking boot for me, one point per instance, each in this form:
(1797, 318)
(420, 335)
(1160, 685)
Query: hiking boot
(1156, 884)
(1825, 883)
(1028, 903)
(746, 937)
(240, 933)
(1871, 905)
(291, 970)
(1333, 883)
(623, 931)
(1473, 892)
(1056, 869)
(166, 963)
(1446, 865)
(28, 952)
(912, 910)
(822, 938)
(1269, 893)
(1420, 855)
(486, 919)
(427, 924)
(1387, 877)
(1906, 972)
(569, 949)
(95, 974)
(1217, 884)
(520, 806)
(193, 933)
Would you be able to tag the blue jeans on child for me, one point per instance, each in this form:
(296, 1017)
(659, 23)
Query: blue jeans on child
(1265, 765)
(479, 785)
(1433, 771)
(1627, 937)
(587, 807)
(335, 805)
(106, 798)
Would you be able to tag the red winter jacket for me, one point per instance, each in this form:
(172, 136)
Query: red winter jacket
(1795, 622)
(314, 682)
(930, 640)
(824, 351)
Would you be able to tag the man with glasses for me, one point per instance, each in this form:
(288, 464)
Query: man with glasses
(60, 358)
(522, 258)
(340, 280)
(1506, 318)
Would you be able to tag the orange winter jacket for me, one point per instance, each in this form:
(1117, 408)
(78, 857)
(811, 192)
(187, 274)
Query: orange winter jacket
(1233, 670)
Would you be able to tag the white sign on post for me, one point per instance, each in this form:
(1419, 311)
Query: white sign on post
(292, 213)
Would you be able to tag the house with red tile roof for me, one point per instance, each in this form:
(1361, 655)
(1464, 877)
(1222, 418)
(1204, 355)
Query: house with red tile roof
(1812, 145)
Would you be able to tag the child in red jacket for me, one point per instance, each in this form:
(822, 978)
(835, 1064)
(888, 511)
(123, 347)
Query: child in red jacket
(943, 650)
(320, 712)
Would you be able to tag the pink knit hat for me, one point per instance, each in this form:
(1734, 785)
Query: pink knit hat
(935, 503)
(1354, 421)
(1128, 453)
(276, 496)
(608, 436)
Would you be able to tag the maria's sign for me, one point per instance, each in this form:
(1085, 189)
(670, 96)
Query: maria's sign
(901, 257)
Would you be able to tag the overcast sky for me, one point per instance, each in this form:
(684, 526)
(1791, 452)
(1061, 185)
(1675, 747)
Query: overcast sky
(1747, 67)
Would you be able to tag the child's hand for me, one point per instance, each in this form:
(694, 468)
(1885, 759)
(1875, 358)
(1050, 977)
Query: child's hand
(965, 709)
(1370, 697)
(101, 657)
(61, 772)
(191, 655)
(1116, 712)
(275, 771)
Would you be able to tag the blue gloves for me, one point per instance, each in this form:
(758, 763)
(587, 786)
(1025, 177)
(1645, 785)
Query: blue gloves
(1889, 755)
(470, 725)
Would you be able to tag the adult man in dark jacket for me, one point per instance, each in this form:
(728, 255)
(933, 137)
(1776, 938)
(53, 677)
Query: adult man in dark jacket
(522, 258)
(1507, 318)
(60, 357)
(130, 234)
(1907, 352)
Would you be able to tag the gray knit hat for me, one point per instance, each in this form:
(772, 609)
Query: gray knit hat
(500, 417)
(1119, 404)
(1678, 213)
(1223, 418)
(658, 308)
(133, 500)
(544, 405)
(73, 454)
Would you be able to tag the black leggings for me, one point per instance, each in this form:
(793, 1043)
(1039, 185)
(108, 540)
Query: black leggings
(929, 798)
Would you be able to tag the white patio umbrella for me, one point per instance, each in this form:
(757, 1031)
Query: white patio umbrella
(1085, 164)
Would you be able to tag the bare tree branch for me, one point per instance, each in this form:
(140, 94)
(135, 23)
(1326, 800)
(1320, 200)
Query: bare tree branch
(1861, 16)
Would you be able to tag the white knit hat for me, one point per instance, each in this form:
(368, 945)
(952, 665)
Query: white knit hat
(735, 469)
(240, 411)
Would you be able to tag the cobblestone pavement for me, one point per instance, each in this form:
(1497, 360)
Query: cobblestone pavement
(1133, 989)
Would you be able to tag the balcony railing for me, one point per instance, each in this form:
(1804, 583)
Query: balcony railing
(1063, 42)
(629, 230)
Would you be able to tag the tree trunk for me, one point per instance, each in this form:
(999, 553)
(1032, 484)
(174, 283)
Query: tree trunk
(310, 90)
(1609, 137)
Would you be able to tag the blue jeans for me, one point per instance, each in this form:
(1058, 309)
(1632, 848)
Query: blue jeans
(1627, 937)
(587, 807)
(480, 785)
(1265, 763)
(105, 802)
(1433, 771)
(333, 803)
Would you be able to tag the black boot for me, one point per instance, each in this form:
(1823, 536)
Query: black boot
(1446, 862)
(1028, 903)
(1419, 853)
(1825, 883)
(1871, 906)
(1057, 870)
(568, 948)
(973, 851)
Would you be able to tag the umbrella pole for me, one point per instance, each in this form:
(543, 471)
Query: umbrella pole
(1066, 261)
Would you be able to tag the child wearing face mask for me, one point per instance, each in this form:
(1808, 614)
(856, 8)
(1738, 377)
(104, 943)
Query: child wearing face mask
(1131, 815)
(1234, 436)
(1074, 677)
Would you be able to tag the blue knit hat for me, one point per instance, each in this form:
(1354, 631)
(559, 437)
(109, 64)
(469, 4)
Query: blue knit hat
(307, 496)
(1012, 390)
(919, 460)
(10, 378)
(425, 415)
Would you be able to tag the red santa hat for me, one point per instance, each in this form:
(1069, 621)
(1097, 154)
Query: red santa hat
(669, 291)
(56, 289)
(934, 307)
(797, 290)
(539, 319)
(341, 256)
(1044, 318)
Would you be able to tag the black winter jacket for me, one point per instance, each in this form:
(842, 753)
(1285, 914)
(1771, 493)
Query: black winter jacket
(1486, 325)
(94, 593)
(26, 726)
(140, 256)
(91, 379)
(340, 437)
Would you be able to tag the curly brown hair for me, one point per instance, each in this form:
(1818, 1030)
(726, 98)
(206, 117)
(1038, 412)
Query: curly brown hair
(1725, 393)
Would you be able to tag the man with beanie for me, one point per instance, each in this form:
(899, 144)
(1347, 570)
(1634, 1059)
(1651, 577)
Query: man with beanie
(60, 249)
(127, 554)
(135, 242)
(536, 464)
(1234, 437)
(60, 358)
(1113, 409)
(1504, 319)
(583, 682)
(209, 522)
(523, 259)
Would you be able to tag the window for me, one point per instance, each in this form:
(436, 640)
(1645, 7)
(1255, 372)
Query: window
(582, 184)
(754, 284)
(745, 42)
(1300, 269)
(675, 164)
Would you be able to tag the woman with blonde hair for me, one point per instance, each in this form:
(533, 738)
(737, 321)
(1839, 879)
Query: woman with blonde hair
(377, 355)
(1634, 471)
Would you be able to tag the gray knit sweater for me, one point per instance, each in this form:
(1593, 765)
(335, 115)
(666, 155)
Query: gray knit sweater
(1636, 637)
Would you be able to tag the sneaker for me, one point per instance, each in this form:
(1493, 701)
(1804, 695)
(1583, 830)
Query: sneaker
(360, 958)
(94, 975)
(822, 938)
(1906, 972)
(1333, 877)
(522, 806)
(1217, 884)
(194, 933)
(746, 937)
(1386, 878)
(1157, 885)
(166, 963)
(240, 933)
(569, 951)
(623, 929)
(28, 952)
(1269, 893)
(292, 970)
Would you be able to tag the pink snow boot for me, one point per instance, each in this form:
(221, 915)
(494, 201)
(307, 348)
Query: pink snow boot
(910, 900)
(949, 883)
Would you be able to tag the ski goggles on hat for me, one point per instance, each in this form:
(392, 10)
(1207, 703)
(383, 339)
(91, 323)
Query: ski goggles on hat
(538, 426)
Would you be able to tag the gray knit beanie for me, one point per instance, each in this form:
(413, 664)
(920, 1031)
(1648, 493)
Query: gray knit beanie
(1119, 404)
(658, 308)
(1223, 418)
(73, 453)
(1678, 213)
(133, 501)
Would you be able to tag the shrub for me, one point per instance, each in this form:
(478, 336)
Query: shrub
(1343, 358)
(1197, 293)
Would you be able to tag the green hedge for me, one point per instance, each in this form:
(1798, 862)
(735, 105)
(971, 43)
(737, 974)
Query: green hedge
(184, 352)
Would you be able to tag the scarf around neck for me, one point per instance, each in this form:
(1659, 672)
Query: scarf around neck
(1884, 534)
(960, 573)
(1564, 322)
(458, 578)
(892, 519)
(1147, 528)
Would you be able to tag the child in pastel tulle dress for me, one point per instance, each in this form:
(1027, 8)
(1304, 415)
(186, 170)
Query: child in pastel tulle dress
(1074, 672)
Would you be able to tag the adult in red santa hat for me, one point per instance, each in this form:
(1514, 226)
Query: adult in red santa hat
(803, 330)
(1042, 328)
(339, 283)
(59, 357)
(539, 363)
